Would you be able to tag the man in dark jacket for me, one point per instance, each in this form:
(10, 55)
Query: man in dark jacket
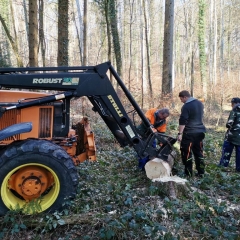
(191, 133)
(232, 136)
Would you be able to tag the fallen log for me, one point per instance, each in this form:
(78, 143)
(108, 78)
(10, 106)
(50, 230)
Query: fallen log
(36, 221)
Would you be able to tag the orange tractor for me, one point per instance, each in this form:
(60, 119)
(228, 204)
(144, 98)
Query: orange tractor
(39, 150)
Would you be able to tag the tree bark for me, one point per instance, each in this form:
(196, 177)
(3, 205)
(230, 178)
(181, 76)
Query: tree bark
(5, 46)
(62, 58)
(25, 16)
(80, 31)
(159, 171)
(109, 46)
(201, 44)
(85, 39)
(115, 35)
(12, 42)
(143, 74)
(33, 33)
(148, 54)
(167, 77)
(192, 73)
(131, 20)
(41, 32)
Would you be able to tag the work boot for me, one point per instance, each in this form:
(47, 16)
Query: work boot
(188, 173)
(200, 175)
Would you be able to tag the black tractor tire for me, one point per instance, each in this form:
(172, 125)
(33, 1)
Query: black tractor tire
(34, 153)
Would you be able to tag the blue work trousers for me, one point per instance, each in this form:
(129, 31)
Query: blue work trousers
(227, 150)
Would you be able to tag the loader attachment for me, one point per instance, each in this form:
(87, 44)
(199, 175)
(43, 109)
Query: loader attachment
(85, 148)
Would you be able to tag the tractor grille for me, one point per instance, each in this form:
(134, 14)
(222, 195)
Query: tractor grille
(45, 123)
(9, 118)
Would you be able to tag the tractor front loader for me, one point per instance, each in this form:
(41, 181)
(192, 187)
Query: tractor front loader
(39, 150)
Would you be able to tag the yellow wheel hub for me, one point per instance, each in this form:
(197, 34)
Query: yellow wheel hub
(28, 182)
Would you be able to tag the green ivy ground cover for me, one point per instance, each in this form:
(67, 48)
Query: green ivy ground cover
(115, 200)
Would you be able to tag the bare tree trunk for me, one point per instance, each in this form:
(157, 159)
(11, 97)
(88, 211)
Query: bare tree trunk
(41, 32)
(212, 42)
(115, 35)
(33, 33)
(228, 41)
(85, 39)
(210, 39)
(188, 46)
(109, 48)
(192, 73)
(201, 44)
(25, 16)
(80, 32)
(105, 10)
(131, 19)
(13, 42)
(168, 48)
(215, 44)
(221, 63)
(62, 58)
(143, 75)
(13, 22)
(148, 55)
(5, 46)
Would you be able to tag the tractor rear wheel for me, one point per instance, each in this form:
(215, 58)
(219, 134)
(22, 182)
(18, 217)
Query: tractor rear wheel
(36, 170)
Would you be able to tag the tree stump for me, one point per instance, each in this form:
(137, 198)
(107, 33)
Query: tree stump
(159, 171)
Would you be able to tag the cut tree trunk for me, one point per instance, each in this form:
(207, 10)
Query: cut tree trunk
(159, 171)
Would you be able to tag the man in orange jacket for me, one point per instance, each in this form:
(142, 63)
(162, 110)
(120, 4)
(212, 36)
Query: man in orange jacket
(157, 118)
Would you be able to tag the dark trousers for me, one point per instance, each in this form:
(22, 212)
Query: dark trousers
(227, 150)
(192, 145)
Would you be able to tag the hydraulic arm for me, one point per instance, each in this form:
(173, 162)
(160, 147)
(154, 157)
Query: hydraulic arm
(93, 82)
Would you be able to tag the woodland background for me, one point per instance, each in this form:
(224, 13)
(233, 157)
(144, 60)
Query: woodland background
(115, 199)
(130, 33)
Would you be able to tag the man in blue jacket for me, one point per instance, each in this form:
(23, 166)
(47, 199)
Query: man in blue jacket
(232, 136)
(191, 133)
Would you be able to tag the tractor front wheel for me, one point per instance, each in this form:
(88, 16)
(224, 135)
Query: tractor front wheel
(36, 171)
